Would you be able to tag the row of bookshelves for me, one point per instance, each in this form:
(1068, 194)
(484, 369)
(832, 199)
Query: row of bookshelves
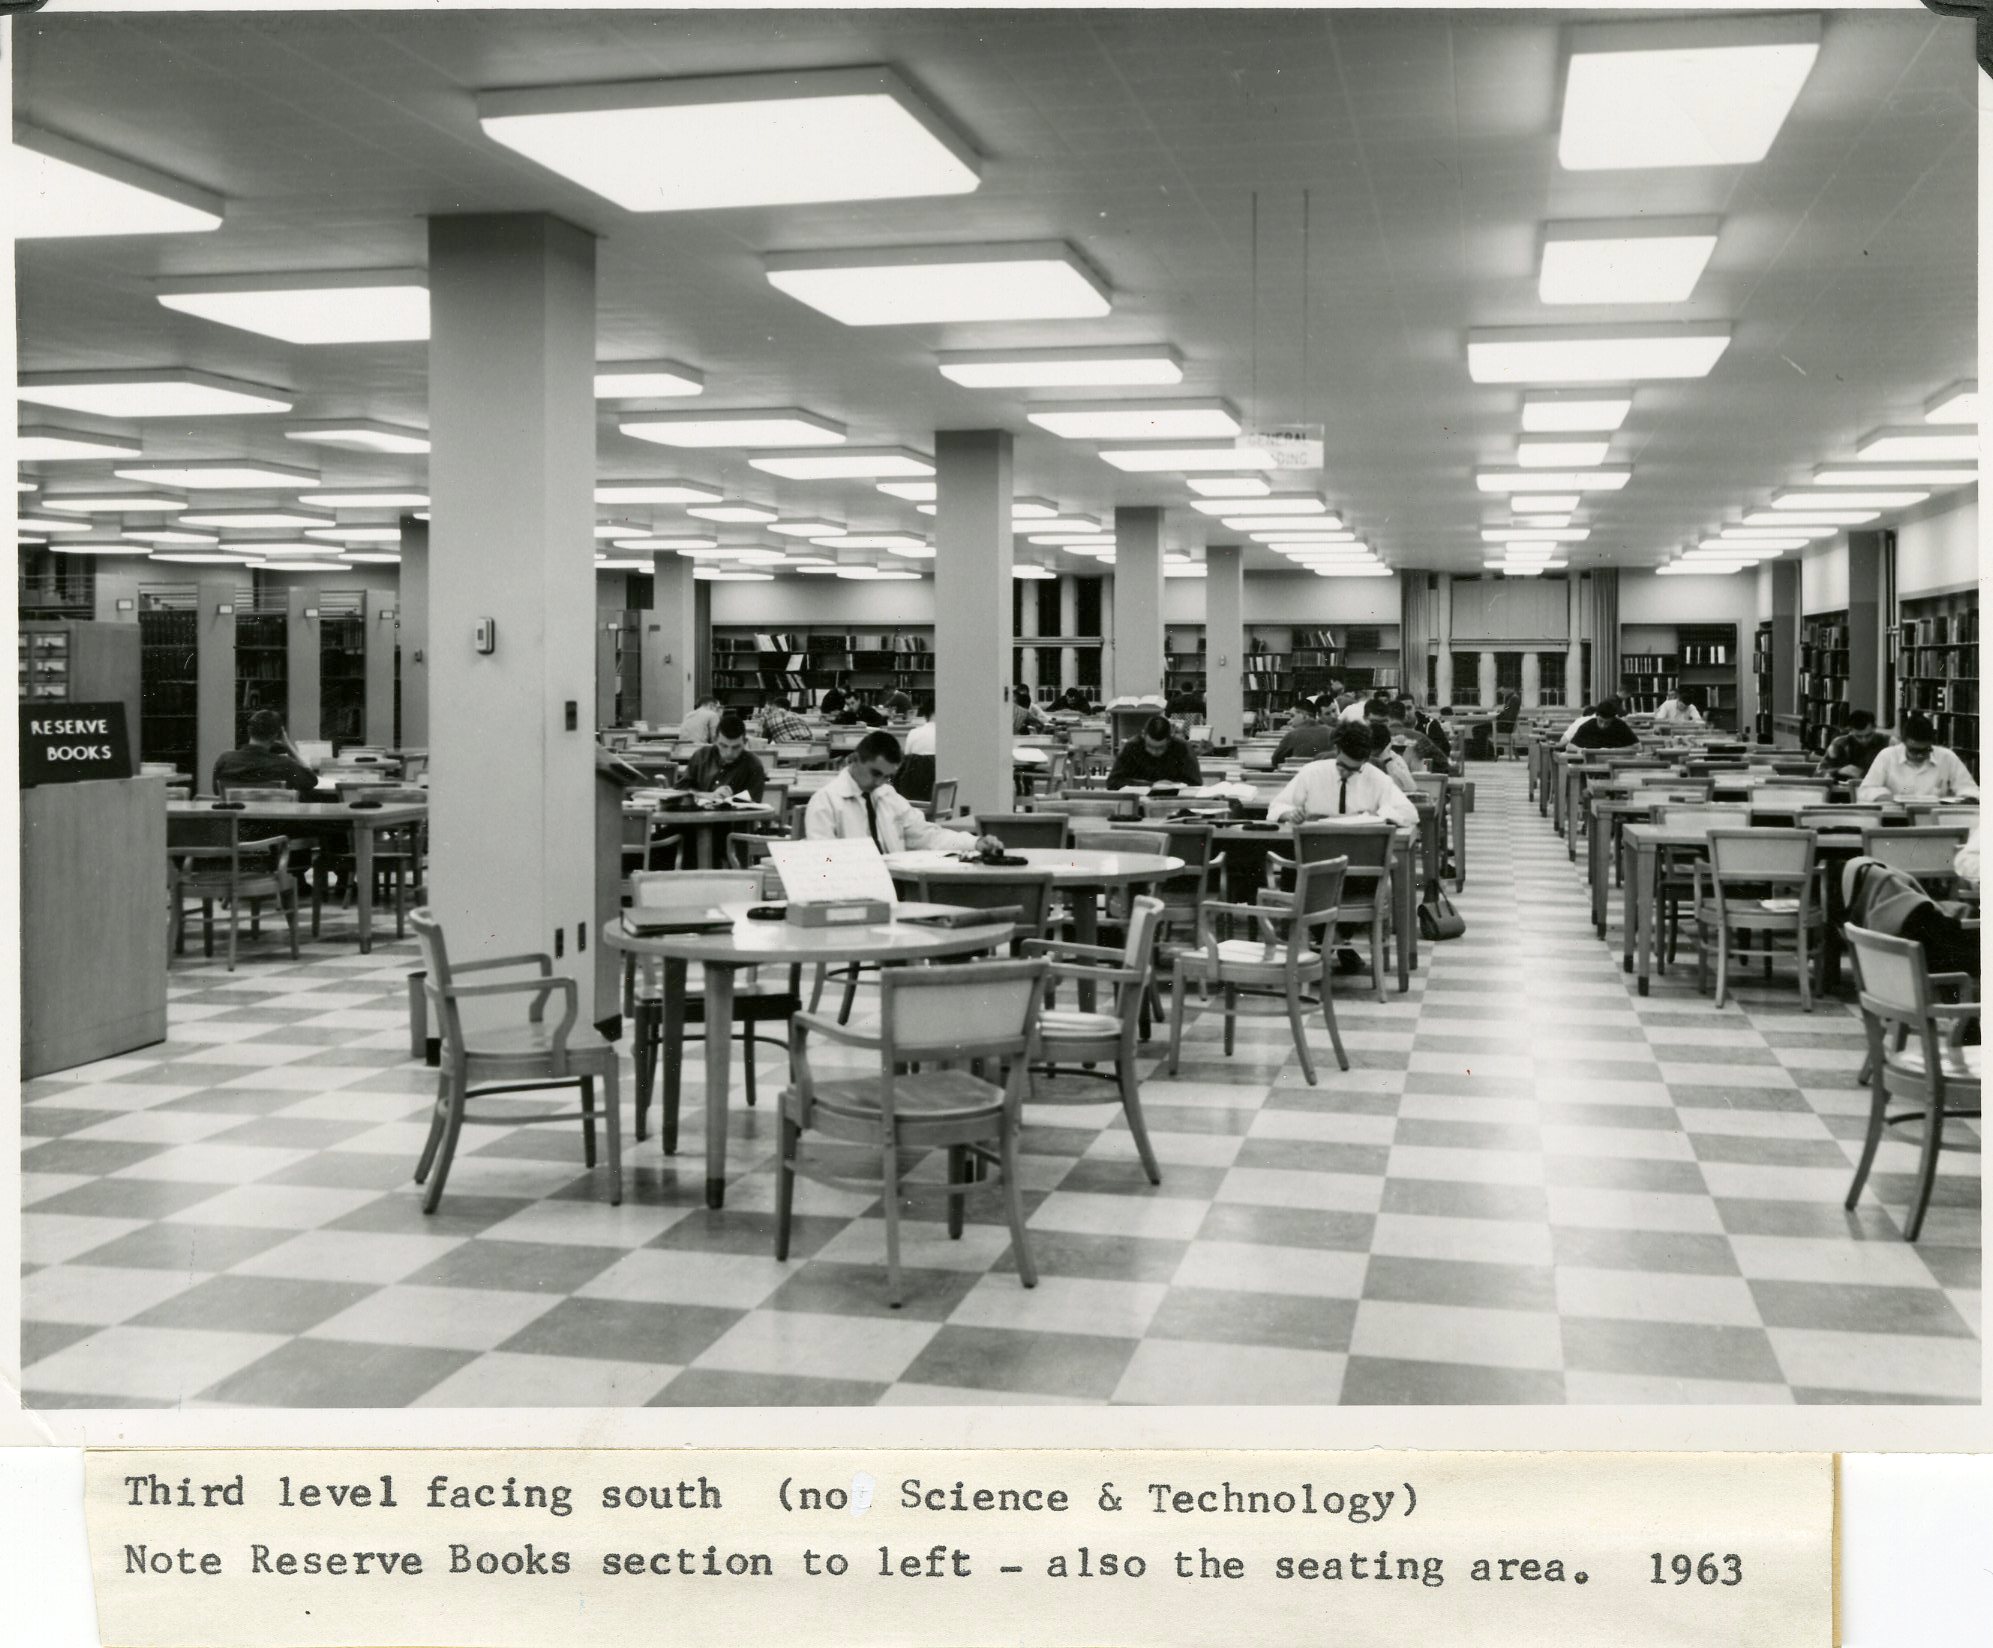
(1764, 664)
(1937, 667)
(1698, 660)
(1823, 678)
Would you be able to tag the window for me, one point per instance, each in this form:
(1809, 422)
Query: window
(1088, 621)
(1467, 678)
(1508, 674)
(1550, 677)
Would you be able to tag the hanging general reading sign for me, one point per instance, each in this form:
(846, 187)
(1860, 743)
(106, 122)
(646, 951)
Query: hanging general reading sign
(66, 743)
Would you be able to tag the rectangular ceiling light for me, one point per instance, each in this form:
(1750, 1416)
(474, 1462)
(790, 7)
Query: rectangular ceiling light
(1625, 260)
(1105, 367)
(1711, 92)
(1299, 532)
(1543, 503)
(1935, 476)
(1916, 444)
(38, 443)
(324, 306)
(1139, 420)
(223, 475)
(1032, 509)
(912, 551)
(1734, 549)
(871, 540)
(1678, 569)
(1228, 486)
(112, 503)
(1025, 569)
(360, 435)
(1809, 499)
(39, 523)
(1560, 454)
(781, 426)
(1594, 354)
(1207, 457)
(733, 513)
(251, 519)
(1774, 534)
(917, 492)
(169, 535)
(173, 392)
(1074, 540)
(809, 528)
(1278, 503)
(97, 546)
(1575, 411)
(1957, 404)
(372, 500)
(1603, 479)
(1375, 571)
(700, 143)
(356, 534)
(1274, 523)
(646, 379)
(656, 492)
(847, 463)
(681, 546)
(1056, 523)
(1541, 520)
(1811, 517)
(1535, 534)
(612, 531)
(927, 285)
(57, 189)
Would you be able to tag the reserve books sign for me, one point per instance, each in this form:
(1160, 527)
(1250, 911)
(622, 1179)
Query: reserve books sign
(66, 743)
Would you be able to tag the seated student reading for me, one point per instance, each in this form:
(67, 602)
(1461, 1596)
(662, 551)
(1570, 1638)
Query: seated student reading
(860, 802)
(1158, 756)
(697, 728)
(782, 725)
(1677, 708)
(1076, 700)
(1387, 760)
(1605, 730)
(1918, 769)
(726, 767)
(1852, 754)
(1306, 738)
(1346, 786)
(920, 741)
(1024, 716)
(268, 761)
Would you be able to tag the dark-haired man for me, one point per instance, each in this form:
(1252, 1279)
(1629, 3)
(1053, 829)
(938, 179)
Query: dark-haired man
(1852, 754)
(1347, 785)
(268, 761)
(697, 728)
(726, 767)
(861, 803)
(1605, 730)
(1157, 756)
(1917, 769)
(1306, 738)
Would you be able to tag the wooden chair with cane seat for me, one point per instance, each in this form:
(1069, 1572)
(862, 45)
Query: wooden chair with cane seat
(1287, 966)
(479, 1060)
(1365, 896)
(1744, 865)
(202, 864)
(1915, 1052)
(943, 1034)
(761, 996)
(1074, 1042)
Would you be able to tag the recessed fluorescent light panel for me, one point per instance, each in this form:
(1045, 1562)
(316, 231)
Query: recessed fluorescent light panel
(782, 426)
(1957, 404)
(872, 540)
(1734, 549)
(1707, 92)
(1936, 476)
(1535, 534)
(56, 189)
(1105, 367)
(1594, 354)
(1138, 420)
(916, 492)
(169, 535)
(696, 144)
(360, 435)
(251, 519)
(1276, 503)
(1811, 517)
(330, 306)
(1678, 569)
(1208, 458)
(656, 492)
(41, 444)
(1602, 479)
(645, 380)
(223, 475)
(926, 285)
(1541, 520)
(97, 546)
(1625, 260)
(1575, 411)
(112, 503)
(809, 528)
(1774, 534)
(733, 513)
(1846, 500)
(845, 464)
(356, 534)
(1228, 486)
(681, 546)
(1276, 523)
(1560, 454)
(1543, 503)
(171, 393)
(372, 500)
(38, 523)
(1033, 509)
(1918, 444)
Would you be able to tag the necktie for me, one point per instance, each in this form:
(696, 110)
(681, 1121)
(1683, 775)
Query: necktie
(872, 820)
(1342, 795)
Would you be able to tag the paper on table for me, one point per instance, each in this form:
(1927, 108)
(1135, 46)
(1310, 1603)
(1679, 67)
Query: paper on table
(831, 872)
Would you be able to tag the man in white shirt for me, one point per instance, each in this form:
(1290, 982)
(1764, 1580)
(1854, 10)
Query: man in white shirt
(861, 802)
(1584, 720)
(1354, 708)
(1677, 708)
(698, 727)
(1918, 768)
(920, 741)
(1346, 785)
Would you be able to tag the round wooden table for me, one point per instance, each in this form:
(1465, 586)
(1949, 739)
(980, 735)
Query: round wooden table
(704, 824)
(769, 944)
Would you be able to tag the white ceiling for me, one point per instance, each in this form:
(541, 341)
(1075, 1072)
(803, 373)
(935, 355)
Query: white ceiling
(1427, 142)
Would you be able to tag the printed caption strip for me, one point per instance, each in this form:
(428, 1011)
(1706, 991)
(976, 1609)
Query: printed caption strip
(872, 1548)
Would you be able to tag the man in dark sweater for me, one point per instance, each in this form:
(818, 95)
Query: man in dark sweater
(1306, 738)
(1157, 757)
(726, 763)
(268, 761)
(1605, 730)
(1852, 754)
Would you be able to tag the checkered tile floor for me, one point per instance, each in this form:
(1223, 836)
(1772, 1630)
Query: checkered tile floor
(1533, 1186)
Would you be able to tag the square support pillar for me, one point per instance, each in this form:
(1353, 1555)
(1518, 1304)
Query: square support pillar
(383, 614)
(301, 635)
(412, 633)
(972, 608)
(1577, 690)
(1868, 617)
(511, 469)
(1225, 640)
(671, 641)
(214, 651)
(1442, 611)
(1138, 602)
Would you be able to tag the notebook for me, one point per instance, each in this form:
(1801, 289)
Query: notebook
(676, 918)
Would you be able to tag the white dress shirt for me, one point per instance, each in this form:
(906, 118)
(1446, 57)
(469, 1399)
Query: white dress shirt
(837, 812)
(1891, 774)
(1319, 790)
(699, 726)
(1571, 731)
(921, 740)
(1359, 711)
(1675, 709)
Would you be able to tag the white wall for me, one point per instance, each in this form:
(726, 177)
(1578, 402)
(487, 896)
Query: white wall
(1720, 598)
(824, 601)
(1823, 576)
(1939, 552)
(1291, 598)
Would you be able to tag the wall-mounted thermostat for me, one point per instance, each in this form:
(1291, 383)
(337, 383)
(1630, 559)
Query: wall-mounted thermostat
(224, 611)
(311, 612)
(487, 635)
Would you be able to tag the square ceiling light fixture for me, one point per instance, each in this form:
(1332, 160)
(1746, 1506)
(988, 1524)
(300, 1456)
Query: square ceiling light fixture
(312, 307)
(38, 443)
(1625, 260)
(1936, 476)
(1959, 403)
(917, 492)
(696, 144)
(1139, 420)
(172, 392)
(360, 435)
(222, 475)
(1560, 453)
(1917, 444)
(1228, 486)
(1810, 517)
(56, 189)
(927, 285)
(1274, 503)
(372, 500)
(1594, 354)
(1104, 367)
(646, 379)
(1202, 457)
(776, 427)
(169, 535)
(847, 463)
(356, 534)
(1575, 411)
(1707, 92)
(656, 492)
(1605, 478)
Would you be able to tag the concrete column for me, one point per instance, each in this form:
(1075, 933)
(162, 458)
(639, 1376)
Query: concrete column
(511, 471)
(672, 642)
(1027, 630)
(381, 619)
(1107, 651)
(972, 640)
(1069, 626)
(1786, 624)
(1532, 680)
(1225, 639)
(1138, 601)
(214, 699)
(117, 582)
(302, 716)
(611, 591)
(1442, 617)
(412, 627)
(1576, 688)
(1868, 620)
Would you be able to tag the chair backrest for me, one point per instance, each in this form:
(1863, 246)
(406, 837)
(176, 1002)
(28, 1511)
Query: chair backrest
(1365, 845)
(775, 793)
(436, 977)
(1710, 816)
(195, 831)
(1129, 841)
(1187, 839)
(843, 740)
(1840, 818)
(1792, 795)
(1052, 830)
(945, 1014)
(1092, 801)
(257, 792)
(1027, 891)
(1680, 791)
(1761, 855)
(1318, 887)
(1432, 785)
(1145, 915)
(1087, 738)
(1922, 849)
(945, 791)
(675, 889)
(1892, 974)
(792, 755)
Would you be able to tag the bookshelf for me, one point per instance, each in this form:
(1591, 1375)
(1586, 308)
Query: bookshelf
(169, 674)
(1183, 660)
(342, 667)
(1763, 672)
(803, 664)
(84, 663)
(1937, 667)
(262, 658)
(1823, 678)
(1700, 659)
(628, 667)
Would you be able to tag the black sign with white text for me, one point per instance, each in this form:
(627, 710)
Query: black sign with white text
(66, 743)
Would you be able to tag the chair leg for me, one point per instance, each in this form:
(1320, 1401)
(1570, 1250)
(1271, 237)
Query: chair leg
(453, 1124)
(234, 914)
(889, 1178)
(1805, 982)
(1329, 1017)
(289, 906)
(1131, 1104)
(438, 1116)
(816, 986)
(1377, 949)
(208, 928)
(1177, 997)
(1013, 1204)
(643, 1053)
(958, 1174)
(613, 1115)
(1299, 1028)
(747, 1060)
(587, 1121)
(1927, 1169)
(1722, 960)
(1231, 1016)
(788, 1144)
(850, 994)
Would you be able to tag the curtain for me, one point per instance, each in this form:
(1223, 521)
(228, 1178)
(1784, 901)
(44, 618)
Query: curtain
(1415, 625)
(1603, 612)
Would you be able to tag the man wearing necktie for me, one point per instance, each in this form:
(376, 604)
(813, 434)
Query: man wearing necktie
(1345, 784)
(861, 802)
